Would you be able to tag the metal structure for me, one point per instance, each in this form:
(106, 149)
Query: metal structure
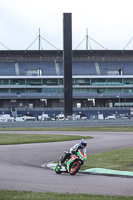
(67, 63)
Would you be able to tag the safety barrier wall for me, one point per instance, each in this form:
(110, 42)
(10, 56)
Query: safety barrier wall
(67, 123)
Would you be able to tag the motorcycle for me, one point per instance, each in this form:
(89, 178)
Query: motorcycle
(71, 165)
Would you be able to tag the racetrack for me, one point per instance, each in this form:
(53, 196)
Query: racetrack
(20, 166)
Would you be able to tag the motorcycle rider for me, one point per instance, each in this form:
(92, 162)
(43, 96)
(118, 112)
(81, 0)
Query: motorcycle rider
(73, 150)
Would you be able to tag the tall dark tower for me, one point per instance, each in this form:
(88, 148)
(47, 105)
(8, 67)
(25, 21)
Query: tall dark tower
(67, 63)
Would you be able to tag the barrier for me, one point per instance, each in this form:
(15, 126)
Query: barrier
(67, 123)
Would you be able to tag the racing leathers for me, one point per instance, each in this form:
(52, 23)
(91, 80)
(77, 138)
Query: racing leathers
(73, 150)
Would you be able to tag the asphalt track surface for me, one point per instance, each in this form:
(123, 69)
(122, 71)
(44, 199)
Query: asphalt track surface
(20, 166)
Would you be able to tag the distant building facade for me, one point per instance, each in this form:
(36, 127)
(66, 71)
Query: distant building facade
(34, 79)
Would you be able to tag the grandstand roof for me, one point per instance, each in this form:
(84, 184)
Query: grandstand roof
(60, 52)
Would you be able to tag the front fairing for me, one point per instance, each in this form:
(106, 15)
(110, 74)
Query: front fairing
(82, 156)
(73, 157)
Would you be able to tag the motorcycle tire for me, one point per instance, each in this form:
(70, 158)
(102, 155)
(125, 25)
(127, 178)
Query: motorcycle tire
(57, 169)
(75, 167)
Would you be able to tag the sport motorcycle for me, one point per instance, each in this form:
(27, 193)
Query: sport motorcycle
(71, 165)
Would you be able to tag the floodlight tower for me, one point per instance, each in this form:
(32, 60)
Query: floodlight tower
(67, 63)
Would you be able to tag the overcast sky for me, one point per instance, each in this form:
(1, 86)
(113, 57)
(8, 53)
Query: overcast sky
(109, 22)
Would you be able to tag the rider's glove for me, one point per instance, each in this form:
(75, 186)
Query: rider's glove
(74, 152)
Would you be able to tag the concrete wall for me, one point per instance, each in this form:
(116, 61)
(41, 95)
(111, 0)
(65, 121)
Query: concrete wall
(67, 123)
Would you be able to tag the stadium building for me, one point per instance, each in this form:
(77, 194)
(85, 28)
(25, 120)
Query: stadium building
(31, 81)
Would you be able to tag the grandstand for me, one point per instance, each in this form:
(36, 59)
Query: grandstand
(34, 79)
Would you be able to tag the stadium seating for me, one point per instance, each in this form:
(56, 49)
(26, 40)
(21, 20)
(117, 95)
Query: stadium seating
(125, 67)
(84, 68)
(78, 68)
(47, 67)
(7, 68)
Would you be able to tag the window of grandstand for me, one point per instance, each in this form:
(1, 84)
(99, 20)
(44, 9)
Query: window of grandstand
(17, 82)
(34, 82)
(100, 81)
(52, 90)
(106, 81)
(113, 81)
(50, 82)
(4, 82)
(85, 81)
(128, 81)
(60, 81)
(4, 90)
(127, 90)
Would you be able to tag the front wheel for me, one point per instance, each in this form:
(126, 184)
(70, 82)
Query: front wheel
(57, 169)
(75, 168)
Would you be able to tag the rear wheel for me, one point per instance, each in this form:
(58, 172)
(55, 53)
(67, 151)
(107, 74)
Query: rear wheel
(57, 169)
(75, 168)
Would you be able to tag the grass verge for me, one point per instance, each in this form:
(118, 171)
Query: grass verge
(117, 160)
(94, 129)
(15, 195)
(6, 139)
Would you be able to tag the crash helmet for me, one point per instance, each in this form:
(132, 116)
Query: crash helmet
(83, 143)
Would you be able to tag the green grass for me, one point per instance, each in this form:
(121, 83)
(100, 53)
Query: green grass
(94, 129)
(117, 160)
(15, 195)
(6, 139)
